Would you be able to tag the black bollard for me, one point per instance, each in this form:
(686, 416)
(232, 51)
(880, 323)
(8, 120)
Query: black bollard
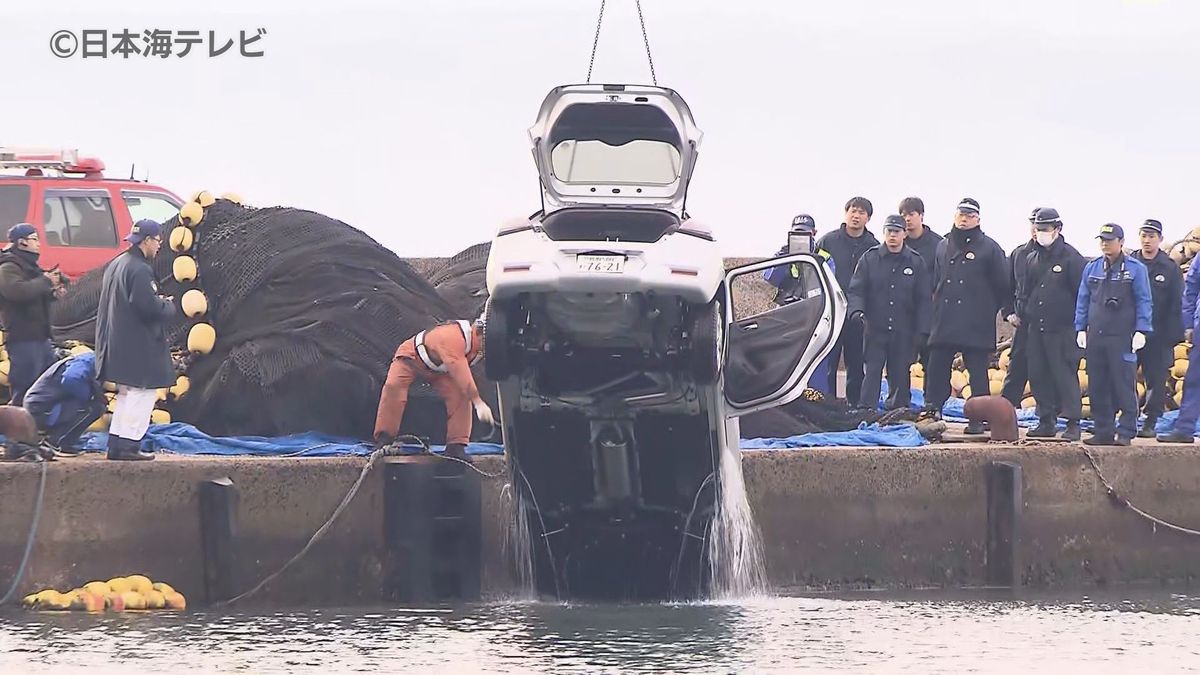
(218, 529)
(1004, 502)
(432, 531)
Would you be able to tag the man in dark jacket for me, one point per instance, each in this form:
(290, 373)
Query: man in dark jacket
(845, 246)
(890, 293)
(1166, 287)
(65, 401)
(26, 291)
(970, 284)
(925, 242)
(131, 342)
(1048, 289)
(1018, 362)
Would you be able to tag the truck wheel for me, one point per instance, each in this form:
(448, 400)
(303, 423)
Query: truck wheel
(496, 349)
(704, 354)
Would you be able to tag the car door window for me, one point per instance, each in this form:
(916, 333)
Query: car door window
(14, 205)
(157, 207)
(781, 324)
(79, 218)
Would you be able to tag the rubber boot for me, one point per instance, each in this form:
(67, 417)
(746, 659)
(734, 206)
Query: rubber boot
(123, 449)
(974, 429)
(1147, 430)
(1044, 429)
(1071, 433)
(1174, 436)
(1100, 440)
(458, 451)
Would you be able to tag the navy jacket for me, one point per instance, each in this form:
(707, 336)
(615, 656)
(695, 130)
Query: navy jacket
(892, 291)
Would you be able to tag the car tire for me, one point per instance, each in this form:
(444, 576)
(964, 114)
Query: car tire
(704, 352)
(497, 352)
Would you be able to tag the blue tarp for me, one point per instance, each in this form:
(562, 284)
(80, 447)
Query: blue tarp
(866, 435)
(185, 439)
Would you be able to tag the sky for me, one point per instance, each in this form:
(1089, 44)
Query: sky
(408, 119)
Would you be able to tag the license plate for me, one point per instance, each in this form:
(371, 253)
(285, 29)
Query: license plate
(601, 264)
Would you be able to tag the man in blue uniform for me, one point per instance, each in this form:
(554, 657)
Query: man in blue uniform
(801, 237)
(1112, 319)
(1189, 409)
(890, 294)
(65, 400)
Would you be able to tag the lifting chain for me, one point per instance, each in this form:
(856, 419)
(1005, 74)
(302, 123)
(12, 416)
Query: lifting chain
(645, 41)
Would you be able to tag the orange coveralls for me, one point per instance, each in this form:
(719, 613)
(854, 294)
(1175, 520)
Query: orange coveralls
(445, 345)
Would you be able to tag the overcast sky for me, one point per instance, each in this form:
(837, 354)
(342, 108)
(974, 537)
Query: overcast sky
(408, 119)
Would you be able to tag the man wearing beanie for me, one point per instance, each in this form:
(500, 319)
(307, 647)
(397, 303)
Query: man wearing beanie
(131, 341)
(26, 291)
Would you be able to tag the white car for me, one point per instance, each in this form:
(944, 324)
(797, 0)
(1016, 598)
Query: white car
(624, 352)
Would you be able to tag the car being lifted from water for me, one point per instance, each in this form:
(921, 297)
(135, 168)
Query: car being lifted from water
(624, 352)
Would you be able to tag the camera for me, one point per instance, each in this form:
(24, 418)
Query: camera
(1112, 303)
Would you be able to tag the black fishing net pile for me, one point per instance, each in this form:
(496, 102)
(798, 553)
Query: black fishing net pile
(308, 312)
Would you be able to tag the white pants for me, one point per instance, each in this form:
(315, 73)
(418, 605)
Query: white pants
(131, 416)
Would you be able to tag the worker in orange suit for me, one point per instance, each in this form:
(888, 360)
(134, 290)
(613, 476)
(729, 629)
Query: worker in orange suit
(443, 356)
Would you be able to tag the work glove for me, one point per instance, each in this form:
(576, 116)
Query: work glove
(483, 412)
(1014, 320)
(1081, 339)
(1139, 340)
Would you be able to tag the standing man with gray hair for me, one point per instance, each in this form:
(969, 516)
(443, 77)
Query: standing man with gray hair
(131, 340)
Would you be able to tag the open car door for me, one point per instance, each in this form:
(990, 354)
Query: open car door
(783, 316)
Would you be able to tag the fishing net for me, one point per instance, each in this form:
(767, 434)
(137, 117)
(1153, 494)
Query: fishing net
(308, 312)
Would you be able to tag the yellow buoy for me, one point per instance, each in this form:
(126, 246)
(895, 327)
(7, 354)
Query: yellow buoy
(160, 416)
(97, 587)
(155, 600)
(995, 374)
(112, 405)
(958, 380)
(184, 269)
(110, 387)
(1083, 364)
(1083, 380)
(1178, 398)
(1005, 359)
(1181, 350)
(181, 239)
(1028, 389)
(1, 337)
(140, 583)
(916, 370)
(996, 387)
(79, 350)
(966, 392)
(232, 197)
(175, 600)
(205, 198)
(133, 600)
(163, 588)
(161, 394)
(917, 383)
(1180, 368)
(4, 373)
(1029, 402)
(191, 214)
(1141, 390)
(201, 338)
(101, 424)
(182, 384)
(194, 303)
(120, 585)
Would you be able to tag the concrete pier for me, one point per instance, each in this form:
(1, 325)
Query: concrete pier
(830, 518)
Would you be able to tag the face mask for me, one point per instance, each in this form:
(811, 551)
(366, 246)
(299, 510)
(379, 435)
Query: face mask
(1045, 238)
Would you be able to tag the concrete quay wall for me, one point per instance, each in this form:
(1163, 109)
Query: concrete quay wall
(829, 517)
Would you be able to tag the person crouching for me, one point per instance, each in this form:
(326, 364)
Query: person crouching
(65, 400)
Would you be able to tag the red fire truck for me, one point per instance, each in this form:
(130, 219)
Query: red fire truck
(82, 216)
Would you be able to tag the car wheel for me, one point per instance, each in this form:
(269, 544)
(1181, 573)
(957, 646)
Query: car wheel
(497, 352)
(704, 354)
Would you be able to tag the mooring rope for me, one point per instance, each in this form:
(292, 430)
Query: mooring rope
(1122, 501)
(33, 527)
